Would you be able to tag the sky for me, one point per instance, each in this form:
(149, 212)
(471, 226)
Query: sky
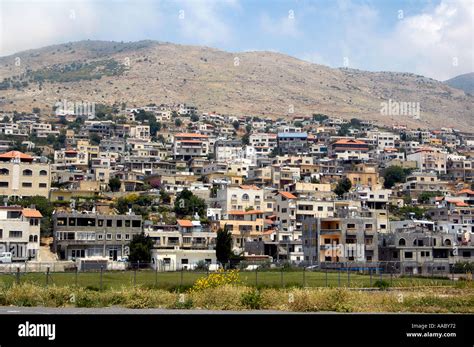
(434, 38)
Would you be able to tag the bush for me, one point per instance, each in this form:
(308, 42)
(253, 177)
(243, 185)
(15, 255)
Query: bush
(252, 299)
(217, 279)
(381, 284)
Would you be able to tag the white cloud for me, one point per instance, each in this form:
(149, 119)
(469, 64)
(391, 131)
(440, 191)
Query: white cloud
(284, 26)
(33, 24)
(433, 42)
(204, 22)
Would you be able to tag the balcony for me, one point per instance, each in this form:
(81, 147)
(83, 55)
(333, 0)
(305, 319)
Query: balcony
(330, 231)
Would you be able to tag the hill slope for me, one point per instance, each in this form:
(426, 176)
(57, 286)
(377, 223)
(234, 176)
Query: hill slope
(257, 83)
(464, 82)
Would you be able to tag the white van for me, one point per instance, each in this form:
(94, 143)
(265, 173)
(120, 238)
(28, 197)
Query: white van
(5, 257)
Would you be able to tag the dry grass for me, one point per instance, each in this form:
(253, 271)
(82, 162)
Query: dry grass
(232, 297)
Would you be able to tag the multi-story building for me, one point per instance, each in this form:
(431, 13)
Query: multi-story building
(349, 149)
(417, 249)
(292, 142)
(430, 159)
(190, 145)
(20, 232)
(181, 246)
(245, 226)
(350, 238)
(240, 198)
(22, 175)
(90, 234)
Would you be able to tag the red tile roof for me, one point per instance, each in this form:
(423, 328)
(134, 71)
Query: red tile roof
(15, 154)
(184, 223)
(31, 213)
(190, 135)
(287, 195)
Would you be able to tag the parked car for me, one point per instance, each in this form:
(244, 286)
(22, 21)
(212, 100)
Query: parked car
(5, 257)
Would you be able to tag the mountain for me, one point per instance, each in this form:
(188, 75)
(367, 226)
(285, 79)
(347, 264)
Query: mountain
(243, 83)
(464, 82)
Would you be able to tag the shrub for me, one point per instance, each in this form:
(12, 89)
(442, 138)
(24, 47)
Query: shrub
(381, 284)
(217, 279)
(252, 299)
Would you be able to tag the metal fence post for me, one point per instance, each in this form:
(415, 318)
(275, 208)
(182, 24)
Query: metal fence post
(47, 275)
(17, 275)
(339, 277)
(304, 276)
(256, 276)
(101, 272)
(135, 277)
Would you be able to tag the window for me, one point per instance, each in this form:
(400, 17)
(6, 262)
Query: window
(43, 185)
(109, 237)
(119, 223)
(184, 261)
(127, 236)
(395, 255)
(351, 226)
(15, 233)
(118, 236)
(4, 172)
(27, 184)
(27, 172)
(245, 197)
(109, 223)
(408, 255)
(136, 223)
(4, 184)
(368, 226)
(43, 173)
(127, 223)
(401, 242)
(100, 236)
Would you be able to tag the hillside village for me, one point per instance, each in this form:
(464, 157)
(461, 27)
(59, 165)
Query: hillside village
(306, 191)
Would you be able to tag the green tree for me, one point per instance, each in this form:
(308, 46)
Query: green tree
(188, 204)
(394, 174)
(223, 245)
(178, 122)
(318, 117)
(236, 124)
(194, 118)
(425, 197)
(43, 205)
(140, 248)
(115, 184)
(343, 186)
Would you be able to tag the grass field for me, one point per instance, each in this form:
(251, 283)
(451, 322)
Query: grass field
(170, 280)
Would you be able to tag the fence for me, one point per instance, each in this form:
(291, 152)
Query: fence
(351, 274)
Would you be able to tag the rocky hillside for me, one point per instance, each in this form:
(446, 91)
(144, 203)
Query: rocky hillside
(464, 82)
(257, 83)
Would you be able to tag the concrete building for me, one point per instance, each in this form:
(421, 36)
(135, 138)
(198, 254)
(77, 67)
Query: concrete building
(292, 142)
(20, 232)
(94, 235)
(351, 238)
(190, 145)
(21, 175)
(181, 246)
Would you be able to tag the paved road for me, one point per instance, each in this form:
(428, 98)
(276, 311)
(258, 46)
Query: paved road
(4, 310)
